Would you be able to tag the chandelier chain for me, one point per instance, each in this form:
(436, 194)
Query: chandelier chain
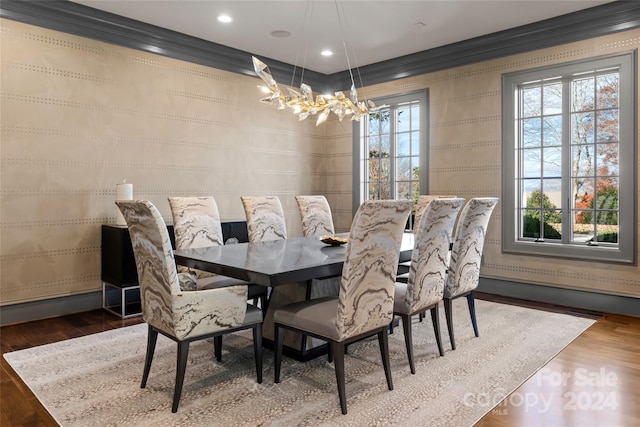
(304, 103)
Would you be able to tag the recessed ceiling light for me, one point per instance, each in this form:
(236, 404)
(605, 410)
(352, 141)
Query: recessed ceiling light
(281, 34)
(225, 18)
(326, 52)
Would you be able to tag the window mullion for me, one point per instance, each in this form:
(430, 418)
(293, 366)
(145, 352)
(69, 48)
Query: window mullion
(393, 140)
(567, 161)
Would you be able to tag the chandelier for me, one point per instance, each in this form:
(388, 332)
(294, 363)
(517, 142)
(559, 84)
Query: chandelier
(304, 104)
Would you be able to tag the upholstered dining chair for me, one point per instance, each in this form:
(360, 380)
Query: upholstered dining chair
(182, 316)
(421, 206)
(265, 218)
(317, 221)
(419, 210)
(364, 306)
(315, 214)
(196, 224)
(466, 255)
(266, 223)
(428, 273)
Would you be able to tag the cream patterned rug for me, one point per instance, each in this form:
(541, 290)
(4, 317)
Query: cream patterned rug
(95, 380)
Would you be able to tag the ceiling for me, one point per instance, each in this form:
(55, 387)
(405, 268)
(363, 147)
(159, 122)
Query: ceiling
(373, 31)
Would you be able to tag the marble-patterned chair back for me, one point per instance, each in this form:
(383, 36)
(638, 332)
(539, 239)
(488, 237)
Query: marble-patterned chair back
(196, 222)
(421, 207)
(265, 218)
(468, 243)
(181, 314)
(315, 214)
(365, 301)
(429, 260)
(157, 274)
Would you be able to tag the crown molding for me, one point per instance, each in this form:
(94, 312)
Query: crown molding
(77, 19)
(597, 21)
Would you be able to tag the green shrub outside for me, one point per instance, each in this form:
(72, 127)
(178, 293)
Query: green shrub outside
(551, 216)
(532, 229)
(607, 199)
(609, 237)
(531, 226)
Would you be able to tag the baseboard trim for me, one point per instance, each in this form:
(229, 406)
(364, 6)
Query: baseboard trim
(53, 307)
(586, 300)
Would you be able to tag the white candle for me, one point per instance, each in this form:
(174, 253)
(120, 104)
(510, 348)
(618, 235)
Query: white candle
(124, 191)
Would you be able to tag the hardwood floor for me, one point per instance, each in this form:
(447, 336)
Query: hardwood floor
(595, 381)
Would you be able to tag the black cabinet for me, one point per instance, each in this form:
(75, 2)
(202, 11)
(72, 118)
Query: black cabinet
(120, 290)
(118, 263)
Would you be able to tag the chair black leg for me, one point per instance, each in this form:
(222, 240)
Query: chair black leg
(421, 317)
(448, 311)
(406, 325)
(435, 319)
(217, 347)
(257, 350)
(383, 340)
(338, 361)
(181, 367)
(391, 327)
(277, 361)
(152, 338)
(472, 311)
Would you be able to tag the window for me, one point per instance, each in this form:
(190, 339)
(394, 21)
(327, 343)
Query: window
(390, 150)
(569, 159)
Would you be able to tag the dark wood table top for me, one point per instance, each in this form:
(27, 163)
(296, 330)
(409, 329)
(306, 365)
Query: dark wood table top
(276, 262)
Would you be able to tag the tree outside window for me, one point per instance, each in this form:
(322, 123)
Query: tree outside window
(594, 157)
(391, 139)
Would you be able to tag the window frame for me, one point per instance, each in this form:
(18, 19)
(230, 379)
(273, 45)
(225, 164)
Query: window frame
(625, 251)
(422, 97)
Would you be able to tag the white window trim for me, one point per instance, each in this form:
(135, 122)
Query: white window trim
(625, 252)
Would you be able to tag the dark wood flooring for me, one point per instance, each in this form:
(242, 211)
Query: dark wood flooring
(602, 368)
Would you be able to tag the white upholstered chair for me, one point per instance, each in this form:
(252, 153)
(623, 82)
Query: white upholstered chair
(315, 214)
(266, 223)
(317, 221)
(364, 306)
(421, 206)
(428, 273)
(196, 224)
(265, 218)
(418, 210)
(182, 316)
(466, 255)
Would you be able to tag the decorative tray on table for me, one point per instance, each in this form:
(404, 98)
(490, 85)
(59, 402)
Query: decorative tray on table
(334, 240)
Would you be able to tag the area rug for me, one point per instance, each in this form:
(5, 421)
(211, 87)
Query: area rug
(95, 380)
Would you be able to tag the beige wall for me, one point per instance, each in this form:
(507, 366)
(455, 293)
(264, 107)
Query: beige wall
(79, 116)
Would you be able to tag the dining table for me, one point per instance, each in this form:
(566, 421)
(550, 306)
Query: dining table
(295, 269)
